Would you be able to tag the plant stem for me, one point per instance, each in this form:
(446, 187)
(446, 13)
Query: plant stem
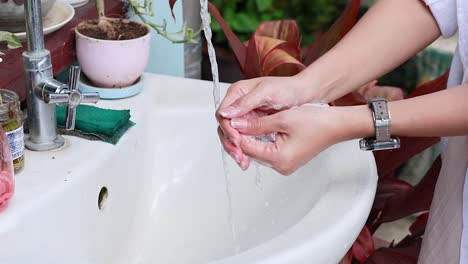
(100, 8)
(161, 29)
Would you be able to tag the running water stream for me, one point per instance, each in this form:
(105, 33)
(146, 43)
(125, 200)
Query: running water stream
(206, 20)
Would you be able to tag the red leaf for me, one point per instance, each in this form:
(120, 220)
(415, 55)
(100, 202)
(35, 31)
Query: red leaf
(419, 224)
(280, 63)
(274, 50)
(238, 48)
(431, 87)
(252, 69)
(414, 200)
(283, 60)
(406, 255)
(363, 247)
(286, 30)
(389, 161)
(386, 188)
(417, 230)
(336, 32)
(171, 4)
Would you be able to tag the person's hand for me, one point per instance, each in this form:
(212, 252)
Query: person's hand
(302, 133)
(250, 98)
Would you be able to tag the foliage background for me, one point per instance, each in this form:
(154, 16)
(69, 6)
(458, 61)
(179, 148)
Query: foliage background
(244, 16)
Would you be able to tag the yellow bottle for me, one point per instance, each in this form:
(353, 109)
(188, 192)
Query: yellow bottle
(11, 119)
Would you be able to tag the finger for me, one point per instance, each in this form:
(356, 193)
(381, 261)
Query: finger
(245, 162)
(234, 151)
(256, 126)
(260, 151)
(231, 133)
(231, 149)
(236, 91)
(256, 98)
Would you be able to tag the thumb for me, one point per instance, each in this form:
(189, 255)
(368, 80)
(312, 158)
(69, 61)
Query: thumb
(255, 126)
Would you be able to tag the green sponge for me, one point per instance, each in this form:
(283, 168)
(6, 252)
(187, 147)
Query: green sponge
(96, 123)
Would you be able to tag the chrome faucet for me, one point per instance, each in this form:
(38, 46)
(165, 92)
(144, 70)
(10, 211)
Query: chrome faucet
(43, 92)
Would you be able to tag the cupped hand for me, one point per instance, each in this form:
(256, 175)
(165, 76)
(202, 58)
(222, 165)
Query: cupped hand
(250, 98)
(302, 133)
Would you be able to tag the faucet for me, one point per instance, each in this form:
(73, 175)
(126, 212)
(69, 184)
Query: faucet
(43, 92)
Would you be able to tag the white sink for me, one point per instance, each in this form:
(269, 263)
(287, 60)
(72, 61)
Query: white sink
(167, 198)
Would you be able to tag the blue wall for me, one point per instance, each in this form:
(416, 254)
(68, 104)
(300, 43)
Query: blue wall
(165, 57)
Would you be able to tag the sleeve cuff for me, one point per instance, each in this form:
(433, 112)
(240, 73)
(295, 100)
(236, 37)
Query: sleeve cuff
(445, 13)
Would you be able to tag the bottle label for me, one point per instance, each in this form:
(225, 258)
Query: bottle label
(16, 141)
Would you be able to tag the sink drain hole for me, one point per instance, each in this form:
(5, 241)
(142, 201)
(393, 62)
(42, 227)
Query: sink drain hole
(102, 198)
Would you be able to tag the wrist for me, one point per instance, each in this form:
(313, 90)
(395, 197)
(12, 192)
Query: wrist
(355, 122)
(320, 85)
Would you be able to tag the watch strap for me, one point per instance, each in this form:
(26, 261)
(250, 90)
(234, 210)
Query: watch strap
(381, 119)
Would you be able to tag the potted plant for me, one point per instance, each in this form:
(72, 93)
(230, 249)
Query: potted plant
(275, 50)
(113, 53)
(244, 17)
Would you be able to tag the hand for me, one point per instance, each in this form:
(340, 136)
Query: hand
(256, 97)
(302, 133)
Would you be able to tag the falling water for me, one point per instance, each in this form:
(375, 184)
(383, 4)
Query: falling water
(258, 177)
(206, 20)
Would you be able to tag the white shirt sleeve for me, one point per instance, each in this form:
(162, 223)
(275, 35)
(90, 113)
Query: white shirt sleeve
(445, 13)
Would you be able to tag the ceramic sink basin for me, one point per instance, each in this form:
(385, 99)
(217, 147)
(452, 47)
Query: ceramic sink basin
(159, 196)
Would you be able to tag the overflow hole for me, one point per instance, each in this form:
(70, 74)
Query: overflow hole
(102, 198)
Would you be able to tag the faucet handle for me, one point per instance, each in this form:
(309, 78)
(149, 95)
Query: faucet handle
(74, 76)
(75, 97)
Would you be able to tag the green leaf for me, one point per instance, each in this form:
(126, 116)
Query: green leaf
(266, 17)
(245, 23)
(263, 5)
(229, 14)
(12, 41)
(215, 27)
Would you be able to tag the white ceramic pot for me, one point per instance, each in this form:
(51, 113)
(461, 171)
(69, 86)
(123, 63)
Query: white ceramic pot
(112, 63)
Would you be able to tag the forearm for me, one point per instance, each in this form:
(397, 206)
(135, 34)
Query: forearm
(391, 32)
(444, 113)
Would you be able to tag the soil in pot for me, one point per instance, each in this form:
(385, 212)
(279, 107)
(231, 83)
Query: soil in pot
(112, 29)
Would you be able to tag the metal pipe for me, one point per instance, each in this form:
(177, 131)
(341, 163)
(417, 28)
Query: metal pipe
(33, 19)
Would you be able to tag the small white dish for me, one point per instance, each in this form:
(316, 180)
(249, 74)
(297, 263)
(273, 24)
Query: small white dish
(78, 3)
(59, 15)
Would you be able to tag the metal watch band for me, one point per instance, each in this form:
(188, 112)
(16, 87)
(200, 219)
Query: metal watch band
(381, 119)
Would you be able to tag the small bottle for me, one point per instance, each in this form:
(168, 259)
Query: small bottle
(7, 181)
(11, 119)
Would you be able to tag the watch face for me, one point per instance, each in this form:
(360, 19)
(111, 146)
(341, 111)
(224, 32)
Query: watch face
(372, 145)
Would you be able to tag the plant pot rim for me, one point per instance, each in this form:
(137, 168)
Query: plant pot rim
(113, 41)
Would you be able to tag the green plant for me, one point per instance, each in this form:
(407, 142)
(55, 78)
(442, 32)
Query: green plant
(143, 10)
(185, 34)
(243, 17)
(11, 40)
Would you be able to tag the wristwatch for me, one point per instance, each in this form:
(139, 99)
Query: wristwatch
(382, 139)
